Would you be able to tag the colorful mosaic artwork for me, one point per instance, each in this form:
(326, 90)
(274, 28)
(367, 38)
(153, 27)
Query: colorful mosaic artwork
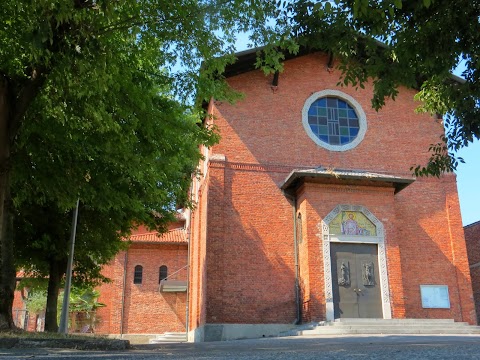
(352, 223)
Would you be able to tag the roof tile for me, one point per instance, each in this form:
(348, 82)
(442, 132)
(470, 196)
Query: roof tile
(172, 236)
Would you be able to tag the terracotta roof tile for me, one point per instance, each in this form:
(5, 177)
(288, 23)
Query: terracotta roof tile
(172, 236)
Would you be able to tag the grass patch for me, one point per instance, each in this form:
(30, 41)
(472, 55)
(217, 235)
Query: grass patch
(22, 334)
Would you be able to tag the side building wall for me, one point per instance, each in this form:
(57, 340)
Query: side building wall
(472, 237)
(142, 308)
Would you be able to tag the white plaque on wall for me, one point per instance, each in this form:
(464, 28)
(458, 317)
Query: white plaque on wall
(435, 296)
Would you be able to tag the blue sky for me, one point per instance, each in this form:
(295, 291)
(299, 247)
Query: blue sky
(468, 176)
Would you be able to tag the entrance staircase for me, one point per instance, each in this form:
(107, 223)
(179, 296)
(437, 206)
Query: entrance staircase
(169, 337)
(384, 326)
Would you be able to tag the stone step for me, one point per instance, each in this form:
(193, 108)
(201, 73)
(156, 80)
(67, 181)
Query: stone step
(401, 321)
(390, 331)
(394, 326)
(385, 326)
(169, 337)
(412, 325)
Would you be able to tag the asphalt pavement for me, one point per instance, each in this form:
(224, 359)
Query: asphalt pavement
(304, 348)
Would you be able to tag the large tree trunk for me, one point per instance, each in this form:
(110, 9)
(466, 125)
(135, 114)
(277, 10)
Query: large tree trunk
(54, 280)
(7, 269)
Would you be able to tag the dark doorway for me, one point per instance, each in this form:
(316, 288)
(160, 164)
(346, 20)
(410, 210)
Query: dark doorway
(355, 281)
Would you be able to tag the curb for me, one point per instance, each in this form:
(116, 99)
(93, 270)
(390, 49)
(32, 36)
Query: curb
(79, 344)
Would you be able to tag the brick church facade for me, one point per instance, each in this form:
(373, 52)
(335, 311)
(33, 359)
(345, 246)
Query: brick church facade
(306, 211)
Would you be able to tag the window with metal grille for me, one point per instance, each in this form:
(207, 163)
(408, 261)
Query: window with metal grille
(163, 273)
(138, 274)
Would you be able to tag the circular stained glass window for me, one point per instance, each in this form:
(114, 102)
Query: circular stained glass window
(334, 120)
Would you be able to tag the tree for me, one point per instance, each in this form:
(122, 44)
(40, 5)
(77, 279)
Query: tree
(129, 168)
(41, 248)
(82, 63)
(411, 43)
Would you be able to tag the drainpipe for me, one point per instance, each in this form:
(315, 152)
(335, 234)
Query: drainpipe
(189, 238)
(122, 314)
(189, 256)
(297, 285)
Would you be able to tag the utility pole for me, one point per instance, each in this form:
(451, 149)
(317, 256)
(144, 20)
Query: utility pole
(63, 328)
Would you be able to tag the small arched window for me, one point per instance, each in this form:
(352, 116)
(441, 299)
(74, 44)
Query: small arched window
(163, 273)
(138, 274)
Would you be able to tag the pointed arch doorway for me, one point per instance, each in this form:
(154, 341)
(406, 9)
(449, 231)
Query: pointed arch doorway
(355, 267)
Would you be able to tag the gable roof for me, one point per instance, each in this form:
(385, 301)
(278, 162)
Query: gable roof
(476, 223)
(246, 61)
(175, 236)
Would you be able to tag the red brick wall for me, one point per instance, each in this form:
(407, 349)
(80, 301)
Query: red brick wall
(145, 309)
(250, 265)
(432, 247)
(197, 243)
(112, 294)
(472, 237)
(266, 127)
(250, 262)
(19, 312)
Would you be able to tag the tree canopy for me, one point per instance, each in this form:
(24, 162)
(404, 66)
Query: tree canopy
(127, 157)
(411, 43)
(88, 108)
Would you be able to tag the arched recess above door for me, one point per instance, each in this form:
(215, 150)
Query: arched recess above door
(350, 233)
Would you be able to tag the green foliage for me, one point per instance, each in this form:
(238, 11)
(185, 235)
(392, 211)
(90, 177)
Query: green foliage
(82, 299)
(96, 110)
(104, 122)
(36, 302)
(42, 234)
(411, 43)
(49, 34)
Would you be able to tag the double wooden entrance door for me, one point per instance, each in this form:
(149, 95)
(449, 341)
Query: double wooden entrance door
(355, 281)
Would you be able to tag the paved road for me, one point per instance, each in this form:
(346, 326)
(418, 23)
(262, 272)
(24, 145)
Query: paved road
(303, 348)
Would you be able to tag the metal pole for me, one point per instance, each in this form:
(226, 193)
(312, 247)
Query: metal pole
(63, 328)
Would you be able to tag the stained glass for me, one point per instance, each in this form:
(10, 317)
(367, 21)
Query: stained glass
(330, 117)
